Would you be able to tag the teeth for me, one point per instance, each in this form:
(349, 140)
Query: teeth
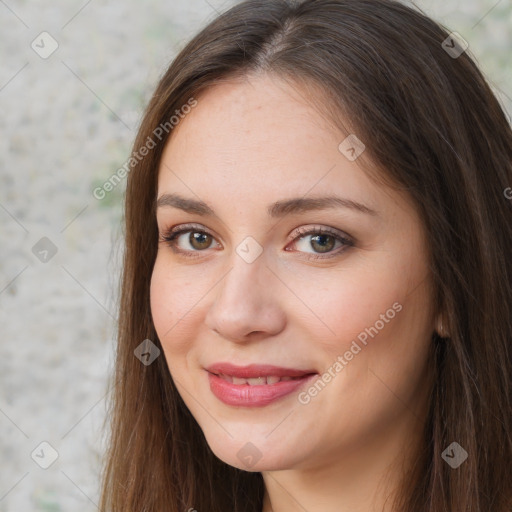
(256, 381)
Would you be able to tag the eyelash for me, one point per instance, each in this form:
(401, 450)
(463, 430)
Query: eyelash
(169, 238)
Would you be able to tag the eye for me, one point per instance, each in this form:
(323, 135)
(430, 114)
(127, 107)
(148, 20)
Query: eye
(198, 238)
(323, 240)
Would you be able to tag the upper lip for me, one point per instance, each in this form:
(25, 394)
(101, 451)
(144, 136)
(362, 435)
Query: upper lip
(256, 370)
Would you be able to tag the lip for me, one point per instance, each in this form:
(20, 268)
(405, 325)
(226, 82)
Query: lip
(246, 395)
(256, 370)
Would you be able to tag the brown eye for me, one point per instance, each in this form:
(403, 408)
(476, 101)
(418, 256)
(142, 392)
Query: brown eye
(323, 243)
(317, 243)
(199, 240)
(192, 245)
(320, 242)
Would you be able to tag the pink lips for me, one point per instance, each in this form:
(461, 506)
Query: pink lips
(247, 395)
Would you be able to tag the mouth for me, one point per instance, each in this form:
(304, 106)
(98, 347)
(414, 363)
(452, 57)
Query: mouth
(255, 385)
(257, 381)
(257, 374)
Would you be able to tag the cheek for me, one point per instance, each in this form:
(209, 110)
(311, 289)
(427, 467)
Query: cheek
(172, 307)
(383, 339)
(374, 364)
(344, 306)
(377, 317)
(160, 301)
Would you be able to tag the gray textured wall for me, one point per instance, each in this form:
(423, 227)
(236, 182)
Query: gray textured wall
(67, 123)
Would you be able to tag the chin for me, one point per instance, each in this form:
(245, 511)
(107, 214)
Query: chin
(248, 457)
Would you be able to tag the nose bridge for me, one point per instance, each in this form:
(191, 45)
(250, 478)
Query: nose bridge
(243, 301)
(248, 269)
(240, 290)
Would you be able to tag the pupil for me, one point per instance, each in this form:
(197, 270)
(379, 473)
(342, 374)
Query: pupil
(199, 238)
(322, 244)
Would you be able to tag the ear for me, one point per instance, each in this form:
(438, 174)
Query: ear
(441, 326)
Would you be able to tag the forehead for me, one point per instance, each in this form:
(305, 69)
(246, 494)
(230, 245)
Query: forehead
(253, 142)
(263, 116)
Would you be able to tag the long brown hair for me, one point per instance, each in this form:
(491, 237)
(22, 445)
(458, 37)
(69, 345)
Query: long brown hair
(432, 125)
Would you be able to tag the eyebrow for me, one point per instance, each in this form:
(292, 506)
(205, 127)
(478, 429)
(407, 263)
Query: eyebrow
(278, 209)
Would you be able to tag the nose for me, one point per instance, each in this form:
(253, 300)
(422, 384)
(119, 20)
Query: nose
(246, 304)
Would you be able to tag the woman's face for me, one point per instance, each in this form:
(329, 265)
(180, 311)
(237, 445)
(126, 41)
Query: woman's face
(244, 286)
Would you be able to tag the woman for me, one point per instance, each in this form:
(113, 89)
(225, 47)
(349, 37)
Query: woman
(317, 286)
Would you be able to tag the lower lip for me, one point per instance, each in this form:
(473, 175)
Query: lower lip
(245, 395)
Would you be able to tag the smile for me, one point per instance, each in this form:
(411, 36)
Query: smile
(255, 391)
(256, 381)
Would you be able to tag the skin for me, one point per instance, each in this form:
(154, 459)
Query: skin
(245, 145)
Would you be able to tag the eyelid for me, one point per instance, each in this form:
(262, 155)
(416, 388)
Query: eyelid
(297, 234)
(346, 240)
(183, 228)
(176, 231)
(307, 230)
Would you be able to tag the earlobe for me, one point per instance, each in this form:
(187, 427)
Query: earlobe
(441, 329)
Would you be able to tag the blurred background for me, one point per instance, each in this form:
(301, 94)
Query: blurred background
(75, 76)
